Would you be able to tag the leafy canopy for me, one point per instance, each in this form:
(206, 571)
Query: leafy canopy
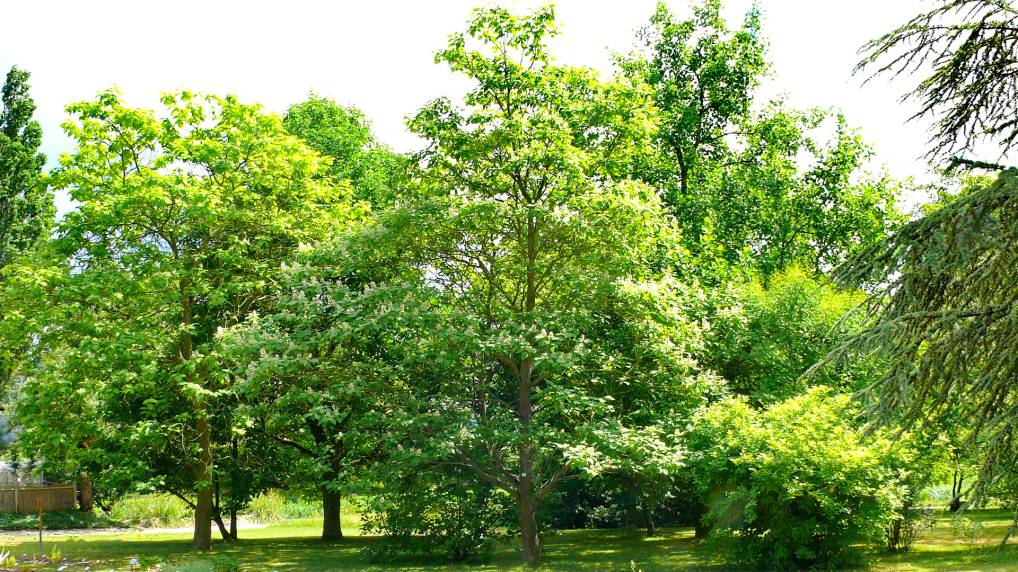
(182, 223)
(521, 253)
(756, 187)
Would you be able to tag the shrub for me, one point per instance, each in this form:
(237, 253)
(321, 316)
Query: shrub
(589, 503)
(906, 529)
(968, 530)
(607, 516)
(148, 563)
(914, 467)
(764, 337)
(273, 507)
(937, 494)
(151, 511)
(266, 508)
(795, 485)
(579, 503)
(56, 521)
(436, 516)
(7, 559)
(224, 564)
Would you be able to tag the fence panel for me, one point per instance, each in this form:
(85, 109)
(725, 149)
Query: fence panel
(27, 499)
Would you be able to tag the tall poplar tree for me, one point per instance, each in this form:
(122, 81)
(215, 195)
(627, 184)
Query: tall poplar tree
(26, 206)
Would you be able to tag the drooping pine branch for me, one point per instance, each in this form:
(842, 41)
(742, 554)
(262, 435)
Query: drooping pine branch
(945, 311)
(970, 48)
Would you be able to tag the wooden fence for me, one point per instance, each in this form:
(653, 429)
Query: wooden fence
(26, 499)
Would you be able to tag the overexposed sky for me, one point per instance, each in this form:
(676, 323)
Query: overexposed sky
(379, 55)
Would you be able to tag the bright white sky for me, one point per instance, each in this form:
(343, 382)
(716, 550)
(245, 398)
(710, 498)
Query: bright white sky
(378, 55)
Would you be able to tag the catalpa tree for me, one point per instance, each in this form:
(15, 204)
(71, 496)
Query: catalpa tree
(536, 350)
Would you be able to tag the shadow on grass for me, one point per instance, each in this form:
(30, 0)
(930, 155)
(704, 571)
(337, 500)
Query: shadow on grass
(297, 547)
(568, 550)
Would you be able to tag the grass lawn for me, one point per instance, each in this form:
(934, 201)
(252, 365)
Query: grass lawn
(294, 546)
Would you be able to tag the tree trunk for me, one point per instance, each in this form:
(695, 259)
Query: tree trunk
(234, 454)
(956, 491)
(332, 528)
(106, 507)
(203, 520)
(699, 512)
(684, 179)
(529, 534)
(203, 469)
(203, 507)
(642, 501)
(526, 497)
(894, 535)
(85, 493)
(648, 516)
(526, 505)
(221, 525)
(217, 516)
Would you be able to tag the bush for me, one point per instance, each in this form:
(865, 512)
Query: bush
(906, 529)
(151, 511)
(585, 503)
(224, 564)
(764, 337)
(606, 504)
(968, 530)
(431, 516)
(793, 486)
(578, 504)
(937, 494)
(57, 521)
(267, 508)
(273, 507)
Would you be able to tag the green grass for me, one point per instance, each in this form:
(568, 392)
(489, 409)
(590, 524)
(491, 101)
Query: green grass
(294, 546)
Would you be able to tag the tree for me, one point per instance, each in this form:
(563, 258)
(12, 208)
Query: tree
(344, 135)
(639, 449)
(794, 485)
(944, 286)
(763, 338)
(703, 77)
(791, 199)
(755, 188)
(943, 305)
(644, 461)
(313, 377)
(518, 245)
(26, 206)
(183, 222)
(972, 89)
